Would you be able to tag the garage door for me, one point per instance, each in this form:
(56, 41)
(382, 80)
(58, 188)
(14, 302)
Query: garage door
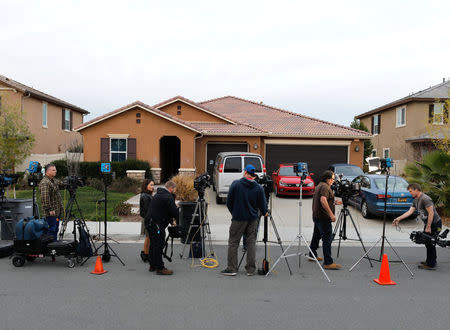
(212, 149)
(317, 157)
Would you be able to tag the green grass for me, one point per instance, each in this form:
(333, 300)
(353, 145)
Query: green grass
(86, 197)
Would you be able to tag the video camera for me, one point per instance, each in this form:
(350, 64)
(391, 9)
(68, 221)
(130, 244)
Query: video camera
(344, 188)
(8, 179)
(301, 170)
(266, 182)
(35, 171)
(201, 183)
(420, 237)
(72, 182)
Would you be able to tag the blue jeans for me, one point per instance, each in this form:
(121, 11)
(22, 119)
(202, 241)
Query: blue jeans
(324, 231)
(53, 226)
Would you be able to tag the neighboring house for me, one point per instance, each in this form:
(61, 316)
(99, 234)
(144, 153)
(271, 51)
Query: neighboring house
(180, 135)
(50, 119)
(404, 129)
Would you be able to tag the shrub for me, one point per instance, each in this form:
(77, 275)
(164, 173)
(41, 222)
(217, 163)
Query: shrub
(96, 184)
(185, 187)
(125, 184)
(122, 208)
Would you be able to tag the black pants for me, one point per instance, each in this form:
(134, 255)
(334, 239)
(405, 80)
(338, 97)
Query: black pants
(157, 243)
(324, 231)
(431, 249)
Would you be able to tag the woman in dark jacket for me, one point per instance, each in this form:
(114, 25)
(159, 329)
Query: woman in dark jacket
(148, 186)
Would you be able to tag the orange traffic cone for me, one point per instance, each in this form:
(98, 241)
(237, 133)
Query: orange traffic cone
(385, 275)
(99, 267)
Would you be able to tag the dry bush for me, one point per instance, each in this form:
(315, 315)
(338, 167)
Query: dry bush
(185, 187)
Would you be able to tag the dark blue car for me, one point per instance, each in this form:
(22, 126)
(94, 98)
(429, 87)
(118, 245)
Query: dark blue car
(370, 198)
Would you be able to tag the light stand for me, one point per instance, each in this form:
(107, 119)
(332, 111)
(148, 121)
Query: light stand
(106, 257)
(383, 237)
(302, 176)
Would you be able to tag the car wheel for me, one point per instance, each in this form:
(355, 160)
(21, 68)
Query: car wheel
(275, 190)
(365, 210)
(218, 199)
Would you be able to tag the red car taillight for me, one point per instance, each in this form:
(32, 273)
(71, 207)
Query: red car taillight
(382, 196)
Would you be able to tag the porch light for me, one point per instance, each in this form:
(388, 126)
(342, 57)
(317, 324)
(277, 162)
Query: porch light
(255, 146)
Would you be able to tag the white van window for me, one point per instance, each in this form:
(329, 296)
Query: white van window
(255, 161)
(233, 165)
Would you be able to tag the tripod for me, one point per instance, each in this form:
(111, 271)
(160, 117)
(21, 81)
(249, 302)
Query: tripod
(203, 226)
(341, 224)
(383, 237)
(99, 235)
(300, 236)
(106, 257)
(265, 267)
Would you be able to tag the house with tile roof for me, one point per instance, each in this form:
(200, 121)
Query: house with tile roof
(405, 129)
(50, 119)
(183, 136)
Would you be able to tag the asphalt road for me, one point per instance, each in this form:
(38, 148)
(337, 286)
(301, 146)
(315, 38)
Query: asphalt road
(46, 295)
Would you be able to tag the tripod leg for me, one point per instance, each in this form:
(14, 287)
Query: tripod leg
(341, 225)
(279, 240)
(317, 261)
(242, 258)
(398, 256)
(365, 254)
(359, 237)
(283, 255)
(189, 230)
(115, 255)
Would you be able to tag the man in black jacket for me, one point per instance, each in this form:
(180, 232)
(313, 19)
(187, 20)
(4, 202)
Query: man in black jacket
(244, 201)
(163, 212)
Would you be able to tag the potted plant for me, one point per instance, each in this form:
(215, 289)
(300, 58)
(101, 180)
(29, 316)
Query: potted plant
(186, 197)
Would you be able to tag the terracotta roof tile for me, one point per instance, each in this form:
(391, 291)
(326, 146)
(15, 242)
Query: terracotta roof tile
(220, 128)
(277, 121)
(40, 95)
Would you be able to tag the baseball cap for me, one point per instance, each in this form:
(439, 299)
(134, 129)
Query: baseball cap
(250, 169)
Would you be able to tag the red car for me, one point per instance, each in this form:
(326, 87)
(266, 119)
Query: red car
(285, 182)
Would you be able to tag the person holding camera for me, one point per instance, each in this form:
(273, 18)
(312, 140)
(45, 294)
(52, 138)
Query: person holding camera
(51, 201)
(162, 212)
(244, 201)
(428, 214)
(147, 188)
(323, 216)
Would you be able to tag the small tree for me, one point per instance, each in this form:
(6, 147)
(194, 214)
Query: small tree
(16, 140)
(368, 146)
(440, 134)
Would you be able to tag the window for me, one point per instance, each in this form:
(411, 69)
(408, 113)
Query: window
(376, 124)
(178, 112)
(374, 153)
(138, 121)
(118, 150)
(438, 113)
(401, 117)
(255, 161)
(138, 115)
(44, 114)
(386, 153)
(67, 120)
(233, 165)
(365, 183)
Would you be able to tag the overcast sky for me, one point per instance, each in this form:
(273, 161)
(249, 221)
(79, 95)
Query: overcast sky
(326, 59)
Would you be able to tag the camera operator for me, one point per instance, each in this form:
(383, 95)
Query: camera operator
(162, 212)
(245, 198)
(51, 200)
(323, 216)
(427, 213)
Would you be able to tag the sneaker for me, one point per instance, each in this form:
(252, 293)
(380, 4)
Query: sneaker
(228, 272)
(250, 274)
(164, 271)
(425, 266)
(310, 258)
(332, 266)
(151, 269)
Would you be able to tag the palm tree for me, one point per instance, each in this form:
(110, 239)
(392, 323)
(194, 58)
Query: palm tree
(432, 173)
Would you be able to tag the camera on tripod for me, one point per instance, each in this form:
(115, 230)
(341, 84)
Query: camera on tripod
(201, 183)
(345, 188)
(8, 179)
(420, 237)
(266, 182)
(72, 182)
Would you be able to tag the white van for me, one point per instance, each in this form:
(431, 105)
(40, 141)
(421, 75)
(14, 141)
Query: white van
(230, 166)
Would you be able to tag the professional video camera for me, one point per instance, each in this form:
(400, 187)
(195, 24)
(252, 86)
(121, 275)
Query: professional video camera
(345, 188)
(8, 179)
(266, 182)
(201, 183)
(72, 182)
(420, 237)
(35, 171)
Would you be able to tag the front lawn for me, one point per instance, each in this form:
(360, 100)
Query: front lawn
(86, 197)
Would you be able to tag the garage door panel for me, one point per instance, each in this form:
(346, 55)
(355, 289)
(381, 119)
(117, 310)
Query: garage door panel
(212, 149)
(317, 157)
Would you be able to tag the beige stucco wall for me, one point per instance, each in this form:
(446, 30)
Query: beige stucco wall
(393, 137)
(50, 140)
(147, 134)
(189, 113)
